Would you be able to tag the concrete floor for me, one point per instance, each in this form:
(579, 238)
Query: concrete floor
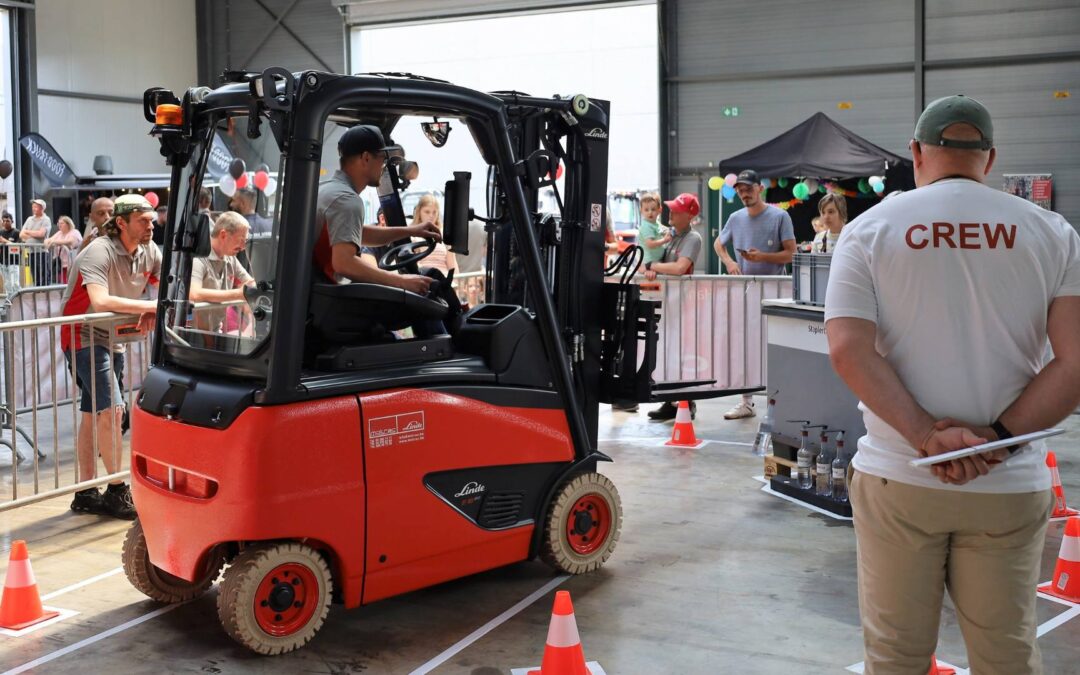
(710, 576)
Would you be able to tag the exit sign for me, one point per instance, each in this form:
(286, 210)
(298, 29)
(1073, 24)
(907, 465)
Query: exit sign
(731, 111)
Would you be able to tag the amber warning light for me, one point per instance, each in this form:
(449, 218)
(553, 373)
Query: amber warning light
(168, 114)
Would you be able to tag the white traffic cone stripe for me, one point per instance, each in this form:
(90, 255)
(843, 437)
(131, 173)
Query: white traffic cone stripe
(1070, 549)
(19, 575)
(682, 416)
(1055, 476)
(562, 632)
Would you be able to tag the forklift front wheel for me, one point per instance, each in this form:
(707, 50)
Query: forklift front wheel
(158, 584)
(275, 597)
(582, 525)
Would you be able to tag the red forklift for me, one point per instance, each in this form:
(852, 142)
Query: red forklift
(318, 460)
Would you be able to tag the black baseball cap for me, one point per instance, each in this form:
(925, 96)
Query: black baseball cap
(359, 139)
(747, 177)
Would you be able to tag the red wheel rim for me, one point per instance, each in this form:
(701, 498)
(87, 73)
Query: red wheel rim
(587, 524)
(286, 599)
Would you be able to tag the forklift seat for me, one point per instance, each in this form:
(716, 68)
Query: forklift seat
(346, 313)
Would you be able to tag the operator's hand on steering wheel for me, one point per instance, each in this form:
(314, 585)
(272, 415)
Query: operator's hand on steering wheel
(425, 231)
(416, 283)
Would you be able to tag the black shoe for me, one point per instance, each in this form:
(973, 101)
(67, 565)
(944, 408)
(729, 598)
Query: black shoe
(693, 410)
(88, 501)
(624, 406)
(663, 413)
(117, 502)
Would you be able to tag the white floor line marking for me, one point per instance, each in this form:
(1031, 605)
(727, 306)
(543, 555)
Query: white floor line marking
(489, 626)
(653, 439)
(768, 490)
(1054, 598)
(85, 582)
(91, 640)
(64, 614)
(861, 665)
(1050, 625)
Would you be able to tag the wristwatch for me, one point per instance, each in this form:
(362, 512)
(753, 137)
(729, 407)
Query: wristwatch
(648, 265)
(1003, 434)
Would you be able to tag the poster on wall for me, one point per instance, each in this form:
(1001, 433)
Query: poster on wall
(1034, 187)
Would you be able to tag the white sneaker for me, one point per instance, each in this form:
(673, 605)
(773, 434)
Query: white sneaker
(740, 411)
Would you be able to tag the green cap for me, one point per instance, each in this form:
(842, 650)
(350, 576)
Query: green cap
(945, 112)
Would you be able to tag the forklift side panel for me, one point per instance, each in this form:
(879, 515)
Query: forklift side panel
(417, 537)
(282, 472)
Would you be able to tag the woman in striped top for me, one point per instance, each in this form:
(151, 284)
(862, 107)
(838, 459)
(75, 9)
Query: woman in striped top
(427, 211)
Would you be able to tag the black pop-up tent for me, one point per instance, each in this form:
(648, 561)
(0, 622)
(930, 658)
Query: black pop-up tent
(819, 148)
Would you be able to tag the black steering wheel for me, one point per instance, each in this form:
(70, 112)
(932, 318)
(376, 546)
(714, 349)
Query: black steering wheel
(406, 254)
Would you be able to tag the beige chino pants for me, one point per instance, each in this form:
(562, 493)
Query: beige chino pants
(915, 542)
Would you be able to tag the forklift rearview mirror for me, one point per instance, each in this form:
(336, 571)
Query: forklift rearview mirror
(456, 223)
(437, 132)
(198, 236)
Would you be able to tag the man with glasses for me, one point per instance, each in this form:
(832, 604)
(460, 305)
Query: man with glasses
(220, 277)
(339, 215)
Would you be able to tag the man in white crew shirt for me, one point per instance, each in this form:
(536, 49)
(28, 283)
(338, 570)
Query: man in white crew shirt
(938, 311)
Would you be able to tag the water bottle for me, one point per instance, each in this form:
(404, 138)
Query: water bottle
(823, 467)
(839, 471)
(763, 440)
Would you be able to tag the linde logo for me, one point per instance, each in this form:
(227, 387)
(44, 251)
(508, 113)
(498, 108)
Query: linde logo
(45, 160)
(596, 133)
(471, 488)
(220, 157)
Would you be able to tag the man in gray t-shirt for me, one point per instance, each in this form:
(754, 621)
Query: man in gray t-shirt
(762, 235)
(764, 242)
(679, 257)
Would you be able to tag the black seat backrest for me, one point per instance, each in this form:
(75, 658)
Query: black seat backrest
(344, 313)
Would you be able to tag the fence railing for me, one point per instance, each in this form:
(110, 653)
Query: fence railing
(32, 265)
(49, 452)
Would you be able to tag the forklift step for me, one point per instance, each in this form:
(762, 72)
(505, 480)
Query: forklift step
(697, 394)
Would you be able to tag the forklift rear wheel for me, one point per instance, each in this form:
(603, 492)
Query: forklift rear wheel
(275, 597)
(583, 524)
(158, 584)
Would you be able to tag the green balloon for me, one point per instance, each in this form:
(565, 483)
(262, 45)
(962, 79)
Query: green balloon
(822, 189)
(801, 191)
(864, 185)
(783, 182)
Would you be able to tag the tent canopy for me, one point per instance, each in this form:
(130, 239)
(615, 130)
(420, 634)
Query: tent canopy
(819, 148)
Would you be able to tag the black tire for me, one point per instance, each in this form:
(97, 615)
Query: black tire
(584, 544)
(275, 597)
(157, 584)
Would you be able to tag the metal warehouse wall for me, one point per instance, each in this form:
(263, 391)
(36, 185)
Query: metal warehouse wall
(780, 61)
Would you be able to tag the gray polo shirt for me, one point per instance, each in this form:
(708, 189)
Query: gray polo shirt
(685, 245)
(36, 223)
(219, 274)
(107, 263)
(767, 232)
(339, 217)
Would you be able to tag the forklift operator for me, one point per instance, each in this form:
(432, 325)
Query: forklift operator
(340, 211)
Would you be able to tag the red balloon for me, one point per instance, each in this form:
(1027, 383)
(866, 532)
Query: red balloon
(242, 181)
(152, 198)
(558, 172)
(261, 180)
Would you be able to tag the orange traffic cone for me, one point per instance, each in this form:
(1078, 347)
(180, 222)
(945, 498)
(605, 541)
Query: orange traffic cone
(21, 604)
(1066, 583)
(1061, 510)
(562, 653)
(682, 436)
(938, 669)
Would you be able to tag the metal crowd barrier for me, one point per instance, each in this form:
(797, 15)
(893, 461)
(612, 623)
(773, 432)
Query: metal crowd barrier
(39, 413)
(31, 266)
(711, 327)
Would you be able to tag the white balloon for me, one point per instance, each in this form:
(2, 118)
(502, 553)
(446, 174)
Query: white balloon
(811, 184)
(227, 184)
(271, 187)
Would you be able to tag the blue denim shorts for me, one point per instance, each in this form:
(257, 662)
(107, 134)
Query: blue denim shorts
(108, 374)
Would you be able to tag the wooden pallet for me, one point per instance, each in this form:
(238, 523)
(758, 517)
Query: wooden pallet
(778, 466)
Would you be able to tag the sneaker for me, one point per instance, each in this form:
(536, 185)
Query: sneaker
(88, 501)
(740, 411)
(693, 410)
(117, 502)
(627, 406)
(663, 413)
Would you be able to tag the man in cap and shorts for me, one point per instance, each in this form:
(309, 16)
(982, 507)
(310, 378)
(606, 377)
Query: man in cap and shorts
(679, 257)
(764, 242)
(110, 275)
(339, 215)
(938, 311)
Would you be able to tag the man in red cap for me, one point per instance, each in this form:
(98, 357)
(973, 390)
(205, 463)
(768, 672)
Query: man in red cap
(679, 257)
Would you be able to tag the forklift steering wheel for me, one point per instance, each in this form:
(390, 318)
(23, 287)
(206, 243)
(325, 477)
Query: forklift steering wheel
(406, 254)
